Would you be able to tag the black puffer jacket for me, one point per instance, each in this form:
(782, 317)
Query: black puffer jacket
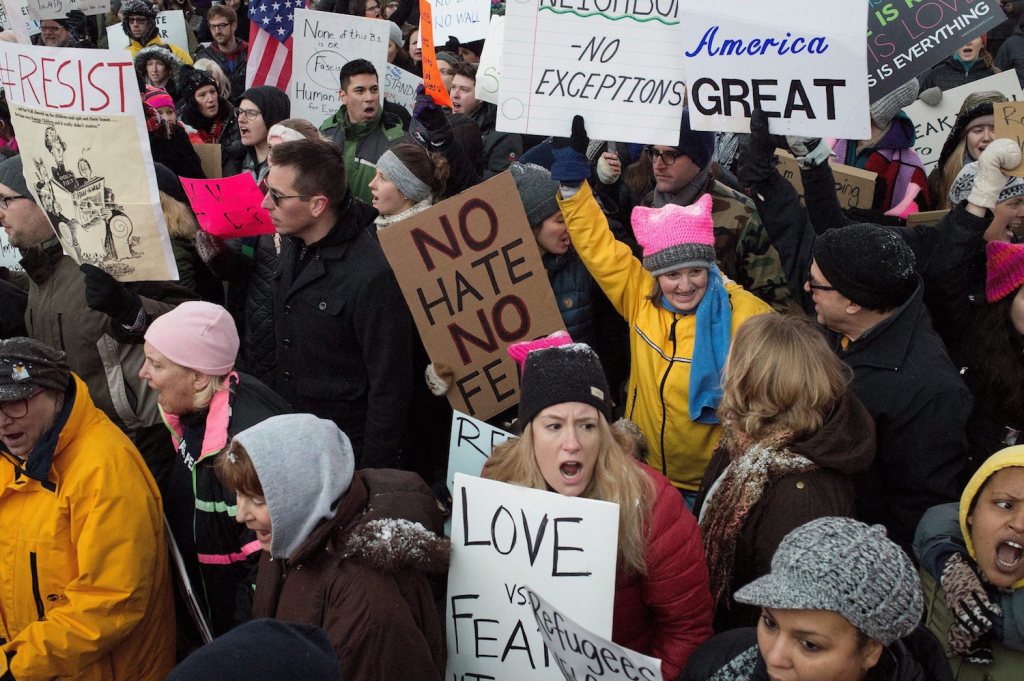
(950, 73)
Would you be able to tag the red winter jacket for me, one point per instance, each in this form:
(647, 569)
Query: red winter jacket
(668, 612)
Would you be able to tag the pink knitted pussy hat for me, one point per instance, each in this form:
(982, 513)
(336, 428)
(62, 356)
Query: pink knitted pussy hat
(197, 335)
(1005, 270)
(676, 237)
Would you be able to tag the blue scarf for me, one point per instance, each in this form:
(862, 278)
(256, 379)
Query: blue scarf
(710, 348)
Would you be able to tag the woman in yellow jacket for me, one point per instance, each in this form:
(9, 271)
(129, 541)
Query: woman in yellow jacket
(681, 311)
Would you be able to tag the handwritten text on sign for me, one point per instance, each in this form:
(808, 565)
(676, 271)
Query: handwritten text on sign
(100, 81)
(620, 69)
(505, 538)
(58, 9)
(801, 63)
(464, 19)
(471, 273)
(229, 207)
(399, 86)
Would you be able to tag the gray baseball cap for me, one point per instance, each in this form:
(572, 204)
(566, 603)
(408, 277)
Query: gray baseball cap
(27, 364)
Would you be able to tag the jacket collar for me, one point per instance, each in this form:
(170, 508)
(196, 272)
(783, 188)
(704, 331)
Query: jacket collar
(350, 506)
(215, 437)
(40, 262)
(354, 217)
(887, 344)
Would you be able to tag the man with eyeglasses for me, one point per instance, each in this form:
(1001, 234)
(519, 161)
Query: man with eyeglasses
(67, 32)
(83, 556)
(226, 50)
(344, 336)
(744, 253)
(139, 25)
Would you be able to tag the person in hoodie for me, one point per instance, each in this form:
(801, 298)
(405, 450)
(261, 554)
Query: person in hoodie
(968, 64)
(793, 435)
(842, 602)
(353, 552)
(972, 570)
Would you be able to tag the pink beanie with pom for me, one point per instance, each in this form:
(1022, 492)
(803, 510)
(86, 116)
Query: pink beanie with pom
(676, 237)
(197, 335)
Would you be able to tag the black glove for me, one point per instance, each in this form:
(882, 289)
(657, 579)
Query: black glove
(578, 139)
(105, 294)
(757, 153)
(427, 112)
(452, 45)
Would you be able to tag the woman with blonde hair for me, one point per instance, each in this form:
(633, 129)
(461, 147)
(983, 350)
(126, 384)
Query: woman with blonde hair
(793, 435)
(662, 605)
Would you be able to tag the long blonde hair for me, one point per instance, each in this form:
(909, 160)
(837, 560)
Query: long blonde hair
(181, 222)
(617, 478)
(947, 173)
(780, 375)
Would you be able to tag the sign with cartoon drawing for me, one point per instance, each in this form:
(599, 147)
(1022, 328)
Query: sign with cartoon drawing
(85, 149)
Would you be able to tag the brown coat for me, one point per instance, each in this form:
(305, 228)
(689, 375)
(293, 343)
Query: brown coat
(367, 577)
(842, 447)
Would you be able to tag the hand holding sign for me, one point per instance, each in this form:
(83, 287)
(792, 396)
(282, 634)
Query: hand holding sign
(229, 207)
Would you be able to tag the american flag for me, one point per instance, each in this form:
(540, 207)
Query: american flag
(270, 47)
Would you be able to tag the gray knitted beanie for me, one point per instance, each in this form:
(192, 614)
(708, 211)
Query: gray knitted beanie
(846, 567)
(889, 106)
(304, 464)
(537, 191)
(11, 174)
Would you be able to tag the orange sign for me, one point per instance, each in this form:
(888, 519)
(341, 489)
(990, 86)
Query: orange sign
(432, 84)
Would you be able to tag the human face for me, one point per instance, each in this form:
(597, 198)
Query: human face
(970, 51)
(255, 514)
(447, 74)
(252, 131)
(21, 434)
(978, 138)
(684, 288)
(1017, 311)
(553, 236)
(829, 305)
(207, 100)
(295, 216)
(813, 645)
(469, 56)
(416, 52)
(997, 527)
(387, 199)
(138, 25)
(176, 385)
(168, 114)
(156, 71)
(361, 98)
(566, 444)
(463, 92)
(389, 9)
(222, 31)
(672, 178)
(233, 4)
(23, 221)
(1007, 219)
(54, 35)
(372, 10)
(392, 51)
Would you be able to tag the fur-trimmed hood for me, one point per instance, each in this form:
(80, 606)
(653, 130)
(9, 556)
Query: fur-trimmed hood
(161, 52)
(394, 544)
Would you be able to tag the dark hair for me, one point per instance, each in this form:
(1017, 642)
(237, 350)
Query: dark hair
(356, 67)
(222, 11)
(461, 68)
(319, 168)
(235, 471)
(431, 168)
(407, 43)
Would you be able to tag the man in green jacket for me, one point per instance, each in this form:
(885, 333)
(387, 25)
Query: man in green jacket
(361, 127)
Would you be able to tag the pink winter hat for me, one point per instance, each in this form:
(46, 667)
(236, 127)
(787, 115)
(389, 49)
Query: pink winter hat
(676, 237)
(1005, 270)
(197, 335)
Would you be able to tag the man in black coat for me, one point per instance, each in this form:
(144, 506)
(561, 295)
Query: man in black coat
(344, 336)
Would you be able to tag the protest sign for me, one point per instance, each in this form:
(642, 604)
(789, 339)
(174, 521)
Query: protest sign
(471, 273)
(14, 17)
(171, 25)
(464, 19)
(399, 86)
(210, 157)
(100, 196)
(908, 37)
(323, 43)
(1009, 124)
(801, 63)
(10, 256)
(929, 217)
(619, 68)
(933, 123)
(58, 9)
(432, 83)
(855, 187)
(488, 71)
(582, 654)
(229, 207)
(504, 538)
(470, 445)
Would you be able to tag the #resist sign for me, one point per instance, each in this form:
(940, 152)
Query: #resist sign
(802, 63)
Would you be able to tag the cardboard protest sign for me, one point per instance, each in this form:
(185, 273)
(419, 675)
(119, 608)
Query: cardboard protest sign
(323, 42)
(801, 63)
(488, 71)
(505, 538)
(399, 86)
(100, 196)
(14, 17)
(470, 445)
(464, 19)
(432, 83)
(588, 656)
(471, 273)
(855, 187)
(58, 9)
(619, 68)
(933, 123)
(929, 217)
(210, 158)
(229, 207)
(908, 37)
(171, 25)
(1009, 124)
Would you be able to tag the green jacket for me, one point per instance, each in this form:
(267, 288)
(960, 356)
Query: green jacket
(363, 143)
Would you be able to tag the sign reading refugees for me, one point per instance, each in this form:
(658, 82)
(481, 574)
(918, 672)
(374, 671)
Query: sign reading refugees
(801, 63)
(323, 42)
(617, 66)
(504, 539)
(582, 654)
(101, 198)
(488, 71)
(471, 273)
(170, 23)
(229, 207)
(908, 37)
(471, 443)
(399, 86)
(464, 19)
(58, 9)
(933, 123)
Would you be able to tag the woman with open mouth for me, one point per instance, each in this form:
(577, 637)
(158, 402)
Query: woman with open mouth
(662, 602)
(972, 569)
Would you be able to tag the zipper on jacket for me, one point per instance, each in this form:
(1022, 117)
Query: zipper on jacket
(632, 407)
(60, 330)
(661, 394)
(40, 612)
